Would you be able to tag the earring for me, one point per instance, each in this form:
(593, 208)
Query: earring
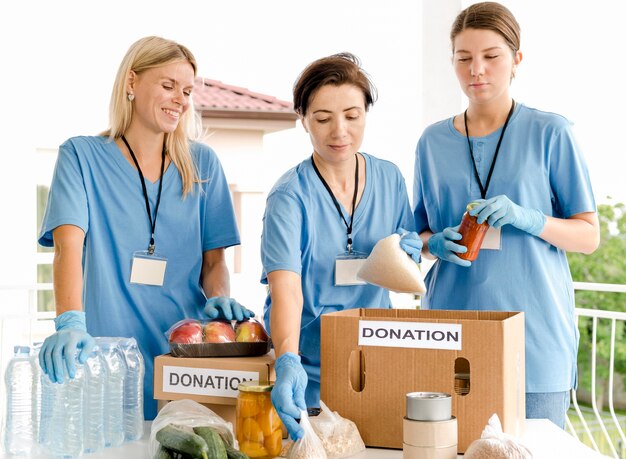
(131, 96)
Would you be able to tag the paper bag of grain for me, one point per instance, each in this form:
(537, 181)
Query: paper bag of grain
(390, 267)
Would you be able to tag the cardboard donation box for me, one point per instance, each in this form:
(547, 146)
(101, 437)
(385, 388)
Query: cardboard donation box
(371, 358)
(212, 381)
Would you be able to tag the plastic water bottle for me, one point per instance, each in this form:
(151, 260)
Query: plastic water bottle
(36, 390)
(133, 389)
(113, 391)
(61, 430)
(18, 430)
(93, 402)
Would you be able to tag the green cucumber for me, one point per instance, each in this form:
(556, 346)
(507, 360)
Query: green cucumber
(233, 453)
(217, 450)
(164, 453)
(182, 441)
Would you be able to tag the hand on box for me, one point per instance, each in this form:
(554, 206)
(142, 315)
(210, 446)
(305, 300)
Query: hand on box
(58, 352)
(227, 308)
(288, 392)
(442, 246)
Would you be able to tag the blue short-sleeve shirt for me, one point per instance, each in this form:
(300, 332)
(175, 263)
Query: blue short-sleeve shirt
(96, 189)
(303, 233)
(539, 166)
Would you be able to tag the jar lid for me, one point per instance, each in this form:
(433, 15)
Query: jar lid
(471, 205)
(255, 386)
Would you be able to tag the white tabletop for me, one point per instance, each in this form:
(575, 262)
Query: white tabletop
(544, 439)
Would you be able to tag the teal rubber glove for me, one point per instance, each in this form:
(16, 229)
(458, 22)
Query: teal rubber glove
(223, 307)
(442, 246)
(58, 353)
(288, 392)
(500, 211)
(411, 243)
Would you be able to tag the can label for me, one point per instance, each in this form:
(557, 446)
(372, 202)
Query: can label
(410, 334)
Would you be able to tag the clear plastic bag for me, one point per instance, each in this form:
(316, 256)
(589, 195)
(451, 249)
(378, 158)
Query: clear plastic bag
(339, 436)
(495, 444)
(190, 414)
(309, 446)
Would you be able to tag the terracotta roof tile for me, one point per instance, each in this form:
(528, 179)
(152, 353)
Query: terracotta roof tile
(215, 95)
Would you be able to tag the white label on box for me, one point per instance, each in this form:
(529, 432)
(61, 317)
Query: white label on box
(205, 381)
(410, 334)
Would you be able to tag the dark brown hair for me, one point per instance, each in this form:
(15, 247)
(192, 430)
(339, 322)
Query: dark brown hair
(338, 69)
(489, 16)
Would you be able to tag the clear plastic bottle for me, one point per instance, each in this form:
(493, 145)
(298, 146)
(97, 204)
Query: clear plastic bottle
(95, 379)
(61, 432)
(113, 390)
(133, 389)
(18, 431)
(36, 390)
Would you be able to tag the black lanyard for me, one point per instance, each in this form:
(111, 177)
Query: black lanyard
(483, 189)
(356, 190)
(145, 192)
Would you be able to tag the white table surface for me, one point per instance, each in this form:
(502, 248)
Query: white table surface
(544, 439)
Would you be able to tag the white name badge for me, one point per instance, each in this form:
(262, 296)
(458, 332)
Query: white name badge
(346, 268)
(148, 269)
(492, 239)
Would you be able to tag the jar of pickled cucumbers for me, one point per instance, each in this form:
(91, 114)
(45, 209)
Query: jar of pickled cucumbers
(259, 430)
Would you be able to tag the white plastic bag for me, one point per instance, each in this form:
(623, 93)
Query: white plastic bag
(340, 437)
(309, 446)
(495, 444)
(191, 414)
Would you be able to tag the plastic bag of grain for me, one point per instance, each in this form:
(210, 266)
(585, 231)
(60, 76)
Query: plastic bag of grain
(495, 444)
(390, 267)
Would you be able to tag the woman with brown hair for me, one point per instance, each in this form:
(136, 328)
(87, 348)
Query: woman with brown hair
(530, 180)
(322, 219)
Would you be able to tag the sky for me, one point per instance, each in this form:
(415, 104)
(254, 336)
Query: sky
(60, 60)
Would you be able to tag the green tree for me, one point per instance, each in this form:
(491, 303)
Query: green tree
(606, 265)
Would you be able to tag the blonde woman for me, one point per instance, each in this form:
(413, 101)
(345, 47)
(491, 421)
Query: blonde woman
(139, 218)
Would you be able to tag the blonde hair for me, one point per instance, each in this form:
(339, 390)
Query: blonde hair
(144, 54)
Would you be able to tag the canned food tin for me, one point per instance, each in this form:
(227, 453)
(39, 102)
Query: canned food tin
(428, 406)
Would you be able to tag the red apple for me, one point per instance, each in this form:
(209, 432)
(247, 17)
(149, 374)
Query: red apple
(250, 331)
(187, 333)
(219, 331)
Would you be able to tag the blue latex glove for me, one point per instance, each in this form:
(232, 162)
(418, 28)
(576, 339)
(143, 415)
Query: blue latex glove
(411, 243)
(442, 246)
(227, 308)
(500, 211)
(58, 352)
(288, 392)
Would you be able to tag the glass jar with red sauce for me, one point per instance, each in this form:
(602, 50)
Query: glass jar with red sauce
(473, 234)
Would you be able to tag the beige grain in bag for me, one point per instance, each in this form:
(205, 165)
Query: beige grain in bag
(390, 267)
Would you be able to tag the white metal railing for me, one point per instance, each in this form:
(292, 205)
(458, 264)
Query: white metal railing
(616, 450)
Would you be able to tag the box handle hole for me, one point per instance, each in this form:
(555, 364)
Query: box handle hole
(462, 376)
(356, 370)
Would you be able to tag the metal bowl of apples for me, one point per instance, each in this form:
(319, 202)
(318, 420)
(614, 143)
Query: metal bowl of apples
(218, 338)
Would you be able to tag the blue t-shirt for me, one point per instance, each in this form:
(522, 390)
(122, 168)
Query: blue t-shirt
(539, 166)
(303, 233)
(96, 189)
